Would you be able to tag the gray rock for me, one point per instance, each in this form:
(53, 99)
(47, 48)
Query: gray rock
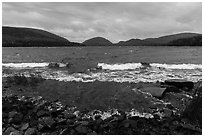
(48, 121)
(12, 114)
(30, 131)
(41, 113)
(16, 133)
(155, 91)
(66, 131)
(24, 126)
(69, 116)
(9, 130)
(81, 129)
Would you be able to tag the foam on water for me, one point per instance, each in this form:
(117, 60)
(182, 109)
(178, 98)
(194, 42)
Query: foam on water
(127, 72)
(25, 65)
(128, 66)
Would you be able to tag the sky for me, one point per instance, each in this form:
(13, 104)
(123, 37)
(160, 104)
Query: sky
(114, 21)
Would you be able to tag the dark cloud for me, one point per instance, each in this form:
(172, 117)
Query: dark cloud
(115, 21)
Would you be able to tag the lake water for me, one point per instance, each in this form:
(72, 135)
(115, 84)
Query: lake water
(120, 64)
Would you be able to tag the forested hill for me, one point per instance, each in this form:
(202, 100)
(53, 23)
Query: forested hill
(29, 37)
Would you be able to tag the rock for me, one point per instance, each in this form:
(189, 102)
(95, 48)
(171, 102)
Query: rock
(12, 114)
(155, 91)
(145, 64)
(84, 123)
(9, 130)
(16, 133)
(40, 127)
(61, 120)
(48, 121)
(66, 131)
(92, 133)
(172, 89)
(30, 131)
(42, 113)
(69, 115)
(81, 129)
(97, 117)
(180, 83)
(167, 112)
(24, 126)
(169, 106)
(17, 118)
(53, 65)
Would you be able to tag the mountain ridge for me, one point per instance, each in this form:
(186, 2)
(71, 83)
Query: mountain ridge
(30, 37)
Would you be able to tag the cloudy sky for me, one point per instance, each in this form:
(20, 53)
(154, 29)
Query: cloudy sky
(114, 21)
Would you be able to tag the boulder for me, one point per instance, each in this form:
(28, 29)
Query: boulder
(155, 91)
(172, 89)
(180, 83)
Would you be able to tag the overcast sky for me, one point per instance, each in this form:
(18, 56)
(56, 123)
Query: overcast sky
(114, 21)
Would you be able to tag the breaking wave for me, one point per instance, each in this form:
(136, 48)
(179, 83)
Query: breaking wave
(127, 72)
(124, 66)
(128, 66)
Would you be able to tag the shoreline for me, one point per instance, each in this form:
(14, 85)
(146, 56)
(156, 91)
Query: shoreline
(103, 97)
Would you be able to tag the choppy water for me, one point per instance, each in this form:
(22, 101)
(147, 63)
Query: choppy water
(120, 64)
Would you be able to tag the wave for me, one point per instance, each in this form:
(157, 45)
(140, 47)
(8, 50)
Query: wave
(25, 65)
(132, 66)
(30, 65)
(122, 66)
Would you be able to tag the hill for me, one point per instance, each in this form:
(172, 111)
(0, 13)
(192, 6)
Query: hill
(97, 41)
(181, 39)
(29, 37)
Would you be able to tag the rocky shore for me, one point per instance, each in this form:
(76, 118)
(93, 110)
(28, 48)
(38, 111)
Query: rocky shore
(25, 112)
(29, 116)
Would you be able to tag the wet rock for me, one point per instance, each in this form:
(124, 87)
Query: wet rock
(53, 65)
(81, 129)
(9, 130)
(155, 91)
(172, 89)
(30, 131)
(180, 83)
(24, 126)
